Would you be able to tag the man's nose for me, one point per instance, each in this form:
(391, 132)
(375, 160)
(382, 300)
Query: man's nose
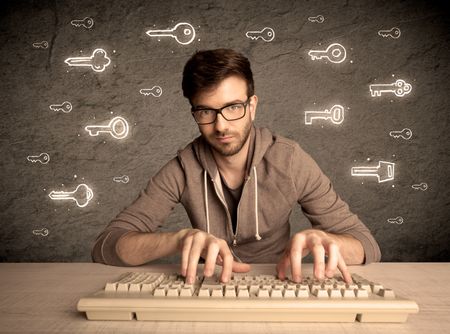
(221, 123)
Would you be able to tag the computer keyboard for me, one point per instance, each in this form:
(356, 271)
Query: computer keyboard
(166, 297)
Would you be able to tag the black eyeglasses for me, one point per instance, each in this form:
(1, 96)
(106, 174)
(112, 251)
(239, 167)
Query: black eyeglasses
(231, 112)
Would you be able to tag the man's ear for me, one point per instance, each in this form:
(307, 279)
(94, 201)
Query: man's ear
(253, 105)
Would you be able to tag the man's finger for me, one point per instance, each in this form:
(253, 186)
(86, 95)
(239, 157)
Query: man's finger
(211, 259)
(283, 265)
(333, 258)
(319, 259)
(227, 262)
(295, 256)
(344, 270)
(187, 244)
(240, 267)
(194, 257)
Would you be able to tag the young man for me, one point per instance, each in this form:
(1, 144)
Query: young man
(238, 184)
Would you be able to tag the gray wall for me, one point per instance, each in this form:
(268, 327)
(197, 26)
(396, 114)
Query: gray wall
(288, 83)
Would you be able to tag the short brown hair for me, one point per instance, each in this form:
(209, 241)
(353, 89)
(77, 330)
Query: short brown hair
(207, 68)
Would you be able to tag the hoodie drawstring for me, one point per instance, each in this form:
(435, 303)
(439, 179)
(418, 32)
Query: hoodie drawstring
(206, 200)
(257, 236)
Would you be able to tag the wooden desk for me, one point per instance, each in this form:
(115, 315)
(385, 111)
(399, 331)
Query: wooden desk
(42, 298)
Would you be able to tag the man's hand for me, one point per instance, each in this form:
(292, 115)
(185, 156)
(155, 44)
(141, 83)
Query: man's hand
(195, 243)
(320, 244)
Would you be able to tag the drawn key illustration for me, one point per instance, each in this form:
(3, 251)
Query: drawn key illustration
(397, 220)
(41, 45)
(81, 195)
(384, 171)
(87, 23)
(393, 33)
(43, 158)
(184, 33)
(156, 91)
(400, 88)
(317, 19)
(405, 134)
(98, 61)
(335, 114)
(267, 34)
(122, 179)
(65, 107)
(117, 127)
(422, 186)
(334, 53)
(43, 231)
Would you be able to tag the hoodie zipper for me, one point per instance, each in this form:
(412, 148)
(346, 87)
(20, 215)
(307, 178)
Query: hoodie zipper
(226, 209)
(237, 216)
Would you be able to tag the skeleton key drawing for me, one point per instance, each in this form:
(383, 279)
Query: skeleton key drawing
(399, 88)
(156, 91)
(184, 33)
(81, 195)
(405, 134)
(318, 19)
(43, 231)
(98, 61)
(41, 45)
(397, 220)
(422, 186)
(335, 114)
(65, 107)
(87, 22)
(335, 53)
(393, 32)
(117, 127)
(123, 179)
(384, 171)
(267, 34)
(43, 158)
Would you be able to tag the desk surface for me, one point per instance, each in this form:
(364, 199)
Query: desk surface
(42, 298)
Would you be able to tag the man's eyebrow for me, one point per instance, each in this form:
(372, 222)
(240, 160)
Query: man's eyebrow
(200, 106)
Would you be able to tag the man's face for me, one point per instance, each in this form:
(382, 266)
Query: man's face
(227, 137)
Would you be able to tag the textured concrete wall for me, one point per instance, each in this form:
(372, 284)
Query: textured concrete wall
(410, 224)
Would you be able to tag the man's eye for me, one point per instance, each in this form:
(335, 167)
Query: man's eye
(205, 112)
(234, 107)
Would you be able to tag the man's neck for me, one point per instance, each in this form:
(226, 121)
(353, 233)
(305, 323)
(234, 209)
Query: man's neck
(232, 168)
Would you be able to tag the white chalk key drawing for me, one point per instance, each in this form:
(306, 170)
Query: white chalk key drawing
(335, 53)
(123, 179)
(397, 220)
(87, 23)
(384, 171)
(422, 186)
(117, 127)
(156, 91)
(317, 19)
(81, 195)
(65, 107)
(393, 33)
(184, 33)
(400, 88)
(43, 158)
(98, 61)
(41, 45)
(405, 134)
(335, 114)
(267, 34)
(43, 231)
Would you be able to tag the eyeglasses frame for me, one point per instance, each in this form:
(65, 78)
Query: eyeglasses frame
(219, 111)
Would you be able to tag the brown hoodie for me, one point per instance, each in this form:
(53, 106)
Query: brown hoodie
(281, 174)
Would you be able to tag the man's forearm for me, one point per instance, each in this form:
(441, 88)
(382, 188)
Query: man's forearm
(351, 248)
(137, 248)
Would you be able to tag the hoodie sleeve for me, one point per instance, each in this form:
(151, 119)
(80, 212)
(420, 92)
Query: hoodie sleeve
(149, 211)
(323, 206)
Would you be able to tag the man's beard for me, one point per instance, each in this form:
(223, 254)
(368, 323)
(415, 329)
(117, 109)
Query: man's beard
(230, 149)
